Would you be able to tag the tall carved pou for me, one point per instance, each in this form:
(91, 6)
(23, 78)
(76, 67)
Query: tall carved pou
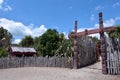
(103, 47)
(75, 60)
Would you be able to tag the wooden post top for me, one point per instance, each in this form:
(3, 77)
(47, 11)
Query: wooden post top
(76, 23)
(100, 14)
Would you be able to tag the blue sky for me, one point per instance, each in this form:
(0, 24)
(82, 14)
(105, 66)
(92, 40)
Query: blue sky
(34, 17)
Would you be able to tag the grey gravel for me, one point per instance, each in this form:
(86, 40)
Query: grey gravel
(92, 72)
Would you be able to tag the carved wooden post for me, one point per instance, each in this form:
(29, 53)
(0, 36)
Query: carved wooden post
(75, 58)
(103, 47)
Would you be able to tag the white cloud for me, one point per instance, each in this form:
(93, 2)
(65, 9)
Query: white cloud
(16, 41)
(39, 31)
(66, 35)
(117, 4)
(95, 35)
(99, 7)
(1, 1)
(20, 30)
(92, 18)
(117, 18)
(7, 8)
(107, 23)
(4, 7)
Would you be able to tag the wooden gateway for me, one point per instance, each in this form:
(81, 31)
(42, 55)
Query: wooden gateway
(101, 31)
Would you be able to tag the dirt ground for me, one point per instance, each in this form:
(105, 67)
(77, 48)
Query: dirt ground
(92, 72)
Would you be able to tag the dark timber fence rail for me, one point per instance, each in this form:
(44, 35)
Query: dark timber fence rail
(56, 61)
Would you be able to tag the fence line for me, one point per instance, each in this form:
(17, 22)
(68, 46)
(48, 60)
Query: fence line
(56, 61)
(113, 63)
(86, 51)
(113, 58)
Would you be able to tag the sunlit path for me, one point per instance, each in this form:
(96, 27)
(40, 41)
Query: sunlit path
(92, 72)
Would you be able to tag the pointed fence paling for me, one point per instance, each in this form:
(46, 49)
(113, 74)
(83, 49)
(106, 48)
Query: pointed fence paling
(55, 61)
(86, 51)
(113, 57)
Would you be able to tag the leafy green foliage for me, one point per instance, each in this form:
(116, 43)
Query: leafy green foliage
(5, 37)
(49, 42)
(115, 33)
(3, 52)
(65, 48)
(27, 41)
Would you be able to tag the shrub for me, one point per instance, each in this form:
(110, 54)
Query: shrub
(3, 52)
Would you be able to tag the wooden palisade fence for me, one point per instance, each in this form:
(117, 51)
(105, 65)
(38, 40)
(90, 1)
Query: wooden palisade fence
(113, 57)
(56, 61)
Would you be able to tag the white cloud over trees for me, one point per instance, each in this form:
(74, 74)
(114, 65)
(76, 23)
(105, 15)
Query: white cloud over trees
(19, 30)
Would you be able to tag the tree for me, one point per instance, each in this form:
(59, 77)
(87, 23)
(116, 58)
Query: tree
(5, 37)
(37, 45)
(27, 41)
(36, 41)
(3, 52)
(115, 33)
(49, 43)
(65, 48)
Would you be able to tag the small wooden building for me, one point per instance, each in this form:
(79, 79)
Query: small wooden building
(21, 51)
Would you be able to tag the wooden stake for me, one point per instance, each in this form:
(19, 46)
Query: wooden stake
(75, 58)
(103, 47)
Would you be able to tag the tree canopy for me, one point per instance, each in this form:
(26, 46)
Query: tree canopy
(5, 41)
(5, 37)
(27, 41)
(115, 33)
(49, 42)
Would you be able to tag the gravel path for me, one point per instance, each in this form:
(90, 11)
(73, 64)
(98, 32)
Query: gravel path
(92, 72)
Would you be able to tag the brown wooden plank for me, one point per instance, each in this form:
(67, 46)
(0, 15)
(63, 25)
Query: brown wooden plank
(106, 29)
(88, 32)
